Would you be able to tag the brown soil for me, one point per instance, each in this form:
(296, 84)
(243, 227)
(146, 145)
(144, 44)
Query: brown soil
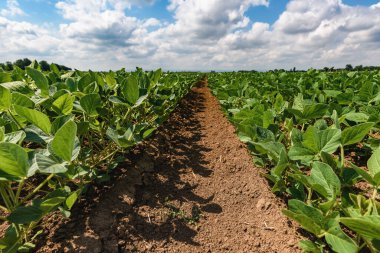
(191, 188)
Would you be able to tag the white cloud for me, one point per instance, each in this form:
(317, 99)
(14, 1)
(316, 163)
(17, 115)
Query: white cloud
(12, 9)
(204, 35)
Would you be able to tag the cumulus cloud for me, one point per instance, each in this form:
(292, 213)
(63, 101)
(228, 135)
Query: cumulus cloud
(203, 35)
(23, 38)
(12, 9)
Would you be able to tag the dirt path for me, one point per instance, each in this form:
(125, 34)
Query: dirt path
(191, 188)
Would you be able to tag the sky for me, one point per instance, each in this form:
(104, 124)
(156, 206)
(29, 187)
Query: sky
(196, 35)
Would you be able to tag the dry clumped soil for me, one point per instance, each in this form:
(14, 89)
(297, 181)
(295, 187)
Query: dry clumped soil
(191, 188)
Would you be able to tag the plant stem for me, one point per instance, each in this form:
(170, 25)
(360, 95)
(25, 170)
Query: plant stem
(11, 193)
(309, 195)
(105, 158)
(5, 197)
(342, 158)
(19, 189)
(14, 119)
(37, 189)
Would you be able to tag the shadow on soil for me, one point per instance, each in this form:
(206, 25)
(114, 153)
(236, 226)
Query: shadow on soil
(145, 205)
(180, 156)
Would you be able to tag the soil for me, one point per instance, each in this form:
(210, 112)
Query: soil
(191, 188)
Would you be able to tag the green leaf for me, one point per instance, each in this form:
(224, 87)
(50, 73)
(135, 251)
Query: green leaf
(309, 246)
(324, 180)
(22, 100)
(367, 226)
(281, 164)
(267, 119)
(130, 89)
(340, 242)
(310, 218)
(63, 143)
(2, 134)
(64, 104)
(39, 79)
(85, 81)
(90, 103)
(5, 98)
(301, 153)
(355, 134)
(373, 163)
(9, 242)
(70, 201)
(363, 174)
(5, 77)
(25, 215)
(357, 117)
(37, 118)
(314, 111)
(321, 140)
(55, 69)
(13, 160)
(48, 166)
(15, 137)
(51, 203)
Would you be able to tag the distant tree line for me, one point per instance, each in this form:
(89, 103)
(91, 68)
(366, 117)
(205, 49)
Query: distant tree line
(22, 63)
(348, 67)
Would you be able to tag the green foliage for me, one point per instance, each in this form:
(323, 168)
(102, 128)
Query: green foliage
(66, 128)
(302, 126)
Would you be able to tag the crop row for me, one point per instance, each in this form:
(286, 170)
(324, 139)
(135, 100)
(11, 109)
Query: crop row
(317, 135)
(60, 131)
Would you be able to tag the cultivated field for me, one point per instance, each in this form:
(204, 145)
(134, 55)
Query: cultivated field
(151, 161)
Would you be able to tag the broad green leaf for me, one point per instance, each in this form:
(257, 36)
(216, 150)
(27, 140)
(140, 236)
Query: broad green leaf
(22, 100)
(90, 103)
(321, 140)
(18, 86)
(64, 104)
(39, 79)
(5, 77)
(130, 89)
(50, 204)
(271, 148)
(355, 134)
(59, 122)
(71, 84)
(310, 218)
(55, 69)
(5, 98)
(9, 242)
(63, 143)
(367, 226)
(340, 242)
(373, 163)
(301, 153)
(2, 134)
(309, 246)
(324, 180)
(267, 119)
(13, 159)
(363, 174)
(15, 137)
(35, 117)
(25, 215)
(85, 81)
(314, 111)
(70, 201)
(357, 117)
(48, 166)
(281, 164)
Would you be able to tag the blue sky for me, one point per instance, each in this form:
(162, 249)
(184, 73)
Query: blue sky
(44, 11)
(192, 34)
